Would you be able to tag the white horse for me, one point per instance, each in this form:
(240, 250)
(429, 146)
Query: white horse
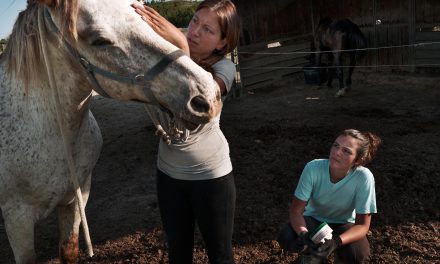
(58, 52)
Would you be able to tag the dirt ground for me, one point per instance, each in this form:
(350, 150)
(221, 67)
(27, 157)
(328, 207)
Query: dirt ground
(272, 133)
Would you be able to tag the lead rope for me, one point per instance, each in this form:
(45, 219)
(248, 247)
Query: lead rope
(67, 146)
(160, 131)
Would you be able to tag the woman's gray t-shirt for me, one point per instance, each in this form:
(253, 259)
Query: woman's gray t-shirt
(205, 153)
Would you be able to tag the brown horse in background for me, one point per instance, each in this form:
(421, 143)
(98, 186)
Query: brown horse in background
(335, 38)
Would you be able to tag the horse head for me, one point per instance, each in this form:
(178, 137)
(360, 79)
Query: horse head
(126, 60)
(321, 29)
(325, 21)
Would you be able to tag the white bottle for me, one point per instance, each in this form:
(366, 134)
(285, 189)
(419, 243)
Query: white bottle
(320, 234)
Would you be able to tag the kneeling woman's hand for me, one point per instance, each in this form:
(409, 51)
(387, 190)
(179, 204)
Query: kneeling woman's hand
(327, 248)
(304, 239)
(290, 242)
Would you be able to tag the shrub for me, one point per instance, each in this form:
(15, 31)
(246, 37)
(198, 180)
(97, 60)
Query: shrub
(177, 12)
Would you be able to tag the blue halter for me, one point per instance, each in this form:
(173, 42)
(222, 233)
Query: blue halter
(92, 69)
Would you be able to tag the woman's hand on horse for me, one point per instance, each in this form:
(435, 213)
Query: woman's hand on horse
(162, 26)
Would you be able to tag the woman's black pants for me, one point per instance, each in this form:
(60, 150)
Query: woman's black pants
(210, 203)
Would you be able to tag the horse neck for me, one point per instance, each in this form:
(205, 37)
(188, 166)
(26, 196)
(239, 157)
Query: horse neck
(66, 88)
(42, 75)
(66, 81)
(63, 90)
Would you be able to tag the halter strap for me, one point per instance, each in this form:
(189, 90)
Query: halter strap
(92, 69)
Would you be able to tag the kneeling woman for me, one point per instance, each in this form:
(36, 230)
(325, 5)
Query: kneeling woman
(339, 191)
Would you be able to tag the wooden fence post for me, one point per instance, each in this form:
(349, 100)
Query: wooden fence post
(411, 34)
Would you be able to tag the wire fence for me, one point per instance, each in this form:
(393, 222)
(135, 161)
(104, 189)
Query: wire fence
(421, 44)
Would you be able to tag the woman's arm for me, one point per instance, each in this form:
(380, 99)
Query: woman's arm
(358, 231)
(221, 85)
(162, 26)
(296, 215)
(169, 32)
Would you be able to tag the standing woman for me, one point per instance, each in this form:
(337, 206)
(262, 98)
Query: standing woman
(339, 191)
(195, 183)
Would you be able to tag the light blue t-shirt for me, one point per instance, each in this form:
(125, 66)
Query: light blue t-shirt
(336, 202)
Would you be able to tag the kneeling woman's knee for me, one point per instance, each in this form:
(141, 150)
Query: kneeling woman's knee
(357, 252)
(288, 239)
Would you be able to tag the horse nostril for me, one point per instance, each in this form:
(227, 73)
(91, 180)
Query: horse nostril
(199, 104)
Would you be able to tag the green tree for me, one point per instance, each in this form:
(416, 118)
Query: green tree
(3, 44)
(177, 12)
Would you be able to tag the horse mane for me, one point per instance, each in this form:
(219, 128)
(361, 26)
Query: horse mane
(23, 52)
(325, 21)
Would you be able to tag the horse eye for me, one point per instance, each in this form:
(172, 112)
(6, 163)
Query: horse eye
(101, 41)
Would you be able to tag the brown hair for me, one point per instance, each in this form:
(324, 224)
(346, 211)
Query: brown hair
(369, 144)
(230, 26)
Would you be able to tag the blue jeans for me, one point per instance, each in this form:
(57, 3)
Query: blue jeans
(210, 203)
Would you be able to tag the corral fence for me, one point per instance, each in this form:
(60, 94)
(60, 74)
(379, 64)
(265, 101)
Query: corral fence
(402, 35)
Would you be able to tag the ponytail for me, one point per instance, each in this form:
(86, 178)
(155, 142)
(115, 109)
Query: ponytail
(369, 144)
